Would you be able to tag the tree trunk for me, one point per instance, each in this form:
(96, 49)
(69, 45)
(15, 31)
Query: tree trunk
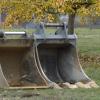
(71, 21)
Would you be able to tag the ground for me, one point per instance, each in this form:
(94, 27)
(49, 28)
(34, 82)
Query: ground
(89, 51)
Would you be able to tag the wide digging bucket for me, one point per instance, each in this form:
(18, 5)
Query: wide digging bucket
(18, 67)
(57, 58)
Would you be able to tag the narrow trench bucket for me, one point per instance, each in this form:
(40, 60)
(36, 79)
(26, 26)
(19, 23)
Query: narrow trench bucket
(60, 63)
(57, 58)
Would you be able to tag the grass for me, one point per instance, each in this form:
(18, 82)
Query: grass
(51, 94)
(89, 41)
(89, 44)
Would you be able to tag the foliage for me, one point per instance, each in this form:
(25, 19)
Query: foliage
(19, 11)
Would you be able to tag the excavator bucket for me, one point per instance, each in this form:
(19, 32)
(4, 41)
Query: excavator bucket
(39, 59)
(56, 55)
(18, 63)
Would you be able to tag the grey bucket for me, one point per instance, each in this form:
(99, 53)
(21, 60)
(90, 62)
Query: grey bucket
(38, 60)
(57, 55)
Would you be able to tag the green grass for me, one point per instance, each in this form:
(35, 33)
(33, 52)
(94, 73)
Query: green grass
(89, 44)
(51, 94)
(88, 41)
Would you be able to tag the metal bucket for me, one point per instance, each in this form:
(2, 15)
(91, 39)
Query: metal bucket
(38, 60)
(18, 63)
(57, 56)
